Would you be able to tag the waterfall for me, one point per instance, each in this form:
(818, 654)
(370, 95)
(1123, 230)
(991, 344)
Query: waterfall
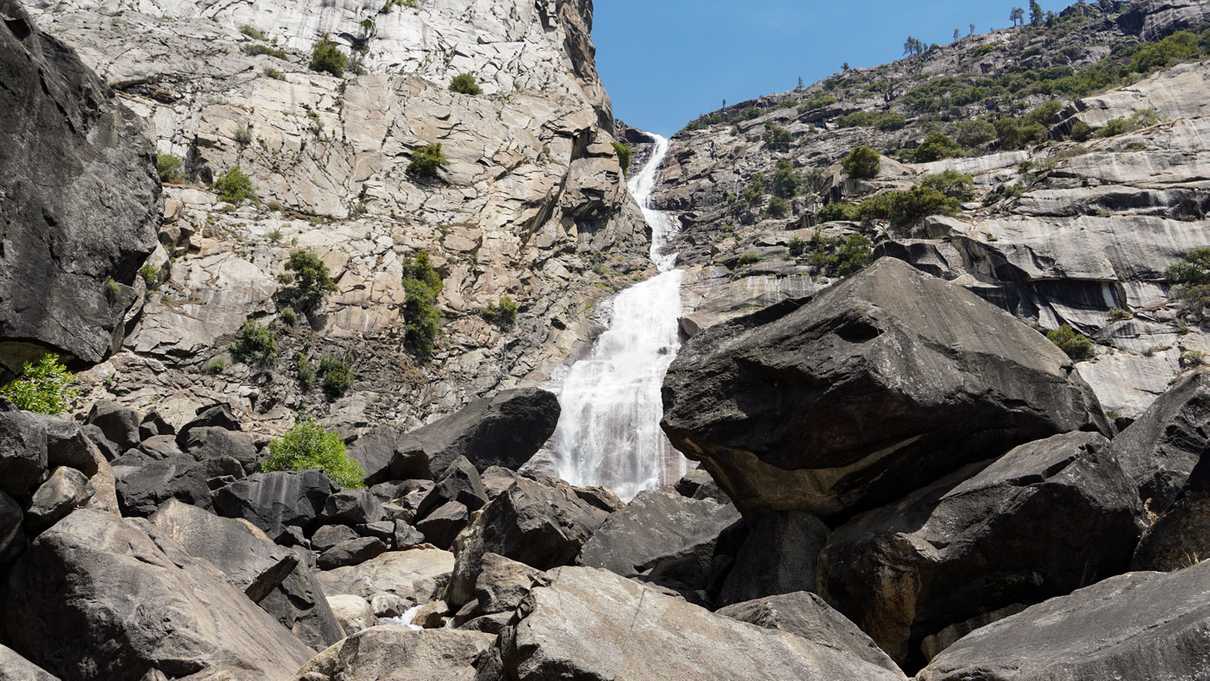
(609, 431)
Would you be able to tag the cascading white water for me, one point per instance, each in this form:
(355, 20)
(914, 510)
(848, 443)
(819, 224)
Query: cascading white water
(609, 432)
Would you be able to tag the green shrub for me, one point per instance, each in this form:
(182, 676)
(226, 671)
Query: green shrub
(254, 344)
(503, 314)
(336, 377)
(289, 316)
(748, 258)
(44, 386)
(951, 183)
(234, 186)
(1081, 131)
(816, 101)
(307, 446)
(975, 133)
(216, 365)
(754, 192)
(625, 156)
(862, 163)
(778, 138)
(253, 32)
(422, 284)
(839, 257)
(273, 73)
(777, 208)
(151, 275)
(427, 161)
(1176, 48)
(937, 146)
(1077, 346)
(465, 84)
(1019, 133)
(1190, 280)
(310, 281)
(786, 180)
(797, 246)
(917, 203)
(883, 120)
(256, 49)
(1136, 121)
(168, 167)
(307, 374)
(326, 57)
(843, 211)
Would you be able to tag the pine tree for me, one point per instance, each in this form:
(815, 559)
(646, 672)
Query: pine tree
(1036, 16)
(1017, 16)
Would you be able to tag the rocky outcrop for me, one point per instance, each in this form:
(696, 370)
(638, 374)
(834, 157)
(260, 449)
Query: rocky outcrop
(643, 634)
(1143, 625)
(78, 607)
(1181, 536)
(13, 667)
(397, 652)
(885, 381)
(1046, 518)
(71, 256)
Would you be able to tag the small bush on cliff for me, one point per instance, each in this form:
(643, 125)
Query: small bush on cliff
(937, 146)
(839, 257)
(253, 32)
(465, 84)
(168, 167)
(254, 344)
(862, 163)
(422, 284)
(778, 138)
(975, 133)
(234, 186)
(951, 183)
(336, 377)
(1136, 121)
(1077, 346)
(310, 280)
(786, 180)
(307, 446)
(326, 57)
(256, 49)
(625, 156)
(44, 386)
(1176, 48)
(427, 161)
(1190, 280)
(777, 208)
(503, 314)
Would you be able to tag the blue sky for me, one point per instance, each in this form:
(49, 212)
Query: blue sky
(666, 62)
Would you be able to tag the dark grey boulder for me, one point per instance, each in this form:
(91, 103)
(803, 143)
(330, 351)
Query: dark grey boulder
(1160, 449)
(13, 667)
(351, 507)
(1143, 626)
(882, 383)
(12, 536)
(697, 484)
(500, 588)
(383, 529)
(406, 536)
(1181, 536)
(158, 447)
(211, 442)
(153, 424)
(71, 254)
(460, 483)
(503, 430)
(215, 416)
(658, 535)
(330, 535)
(807, 615)
(300, 605)
(108, 449)
(778, 555)
(142, 488)
(274, 501)
(1048, 517)
(443, 524)
(63, 492)
(67, 445)
(98, 597)
(351, 552)
(22, 453)
(119, 423)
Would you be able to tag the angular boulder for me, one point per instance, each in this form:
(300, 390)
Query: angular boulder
(276, 501)
(96, 596)
(396, 652)
(212, 442)
(778, 555)
(63, 492)
(882, 383)
(71, 254)
(23, 457)
(593, 624)
(807, 615)
(351, 552)
(503, 430)
(1047, 518)
(143, 485)
(1181, 536)
(413, 575)
(1142, 626)
(500, 588)
(13, 667)
(1160, 449)
(119, 423)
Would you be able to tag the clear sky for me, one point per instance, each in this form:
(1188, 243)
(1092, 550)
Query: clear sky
(665, 62)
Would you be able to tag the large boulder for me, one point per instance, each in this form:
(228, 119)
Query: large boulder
(1160, 449)
(1181, 536)
(70, 255)
(142, 485)
(499, 590)
(503, 430)
(541, 524)
(63, 492)
(276, 501)
(397, 652)
(414, 575)
(777, 555)
(1047, 518)
(119, 423)
(882, 383)
(593, 624)
(13, 667)
(664, 533)
(97, 596)
(212, 442)
(1142, 625)
(23, 457)
(807, 615)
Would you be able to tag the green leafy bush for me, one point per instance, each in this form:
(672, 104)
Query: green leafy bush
(253, 32)
(754, 192)
(1019, 133)
(842, 211)
(326, 57)
(625, 156)
(503, 314)
(256, 49)
(748, 258)
(1077, 346)
(951, 183)
(777, 208)
(254, 344)
(168, 167)
(234, 186)
(975, 133)
(336, 377)
(310, 281)
(786, 180)
(151, 275)
(465, 84)
(778, 138)
(1190, 280)
(816, 101)
(44, 386)
(839, 256)
(307, 446)
(1136, 121)
(919, 202)
(936, 146)
(862, 163)
(422, 284)
(427, 161)
(1176, 48)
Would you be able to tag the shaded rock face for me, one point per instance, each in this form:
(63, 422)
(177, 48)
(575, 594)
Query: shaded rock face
(1160, 449)
(1181, 536)
(1142, 625)
(807, 615)
(96, 596)
(885, 381)
(276, 501)
(1047, 518)
(778, 554)
(63, 129)
(396, 652)
(23, 455)
(642, 634)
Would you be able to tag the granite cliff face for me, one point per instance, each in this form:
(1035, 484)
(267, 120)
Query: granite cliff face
(531, 204)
